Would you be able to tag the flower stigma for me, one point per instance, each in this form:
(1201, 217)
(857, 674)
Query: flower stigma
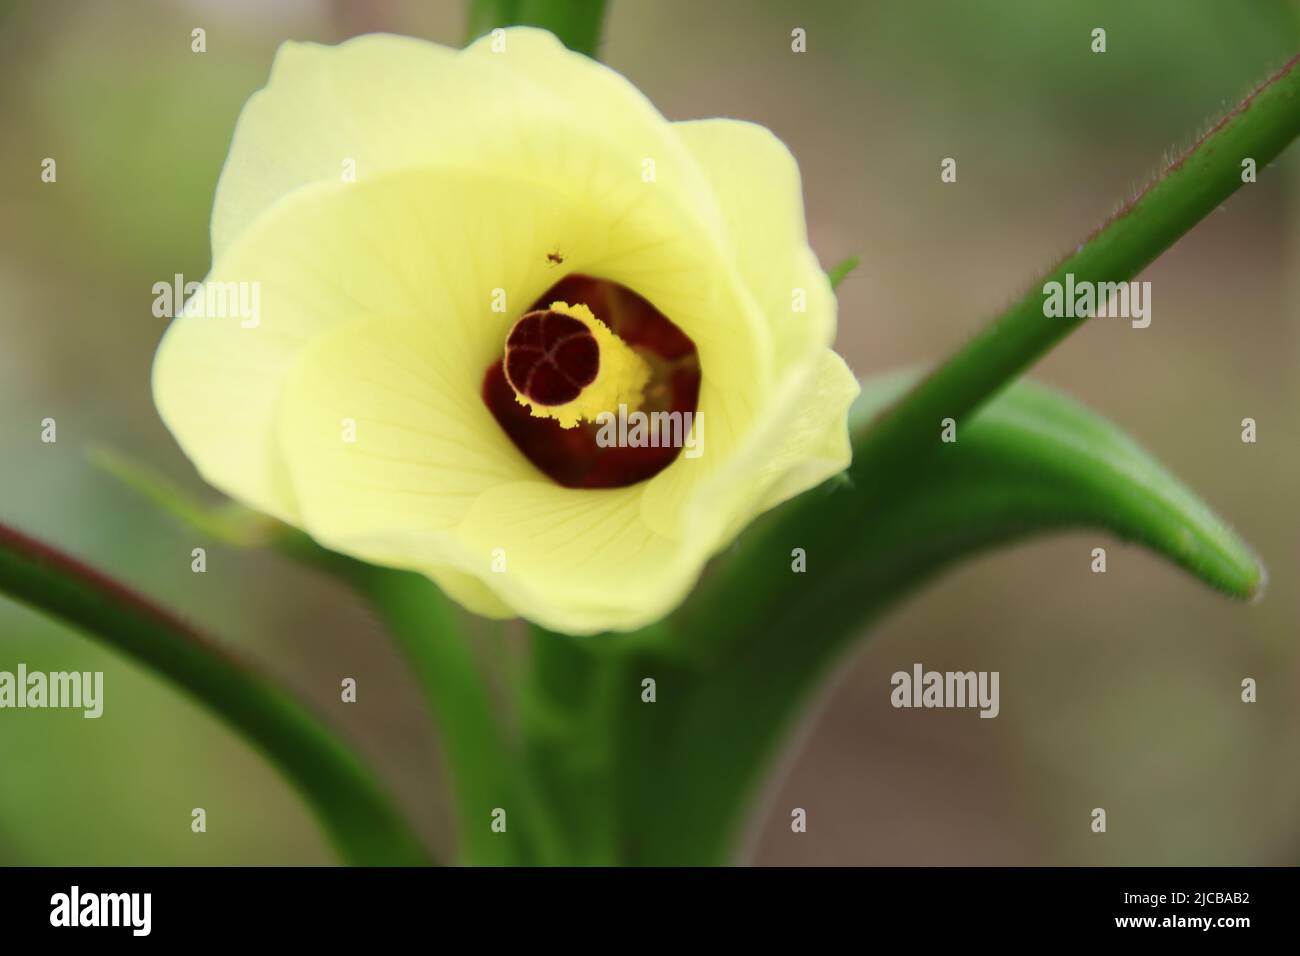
(565, 364)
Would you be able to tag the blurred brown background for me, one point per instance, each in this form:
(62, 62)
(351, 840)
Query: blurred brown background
(1118, 690)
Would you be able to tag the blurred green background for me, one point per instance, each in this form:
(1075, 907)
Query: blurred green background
(1118, 690)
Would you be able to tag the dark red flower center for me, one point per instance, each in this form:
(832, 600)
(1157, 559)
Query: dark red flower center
(550, 357)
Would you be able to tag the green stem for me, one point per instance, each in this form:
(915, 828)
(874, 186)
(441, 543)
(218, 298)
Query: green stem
(567, 703)
(576, 22)
(480, 763)
(351, 806)
(1185, 193)
(424, 624)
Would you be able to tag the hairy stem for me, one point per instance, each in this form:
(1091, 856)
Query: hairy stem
(1186, 192)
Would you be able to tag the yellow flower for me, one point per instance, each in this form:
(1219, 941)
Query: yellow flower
(398, 210)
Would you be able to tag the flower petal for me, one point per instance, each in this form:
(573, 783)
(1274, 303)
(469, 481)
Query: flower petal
(383, 429)
(390, 102)
(575, 560)
(756, 459)
(757, 184)
(409, 247)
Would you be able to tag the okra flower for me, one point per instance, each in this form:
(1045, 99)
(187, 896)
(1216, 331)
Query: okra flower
(463, 259)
